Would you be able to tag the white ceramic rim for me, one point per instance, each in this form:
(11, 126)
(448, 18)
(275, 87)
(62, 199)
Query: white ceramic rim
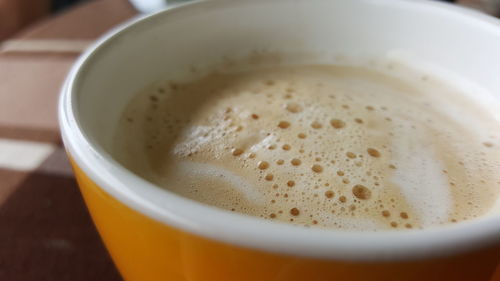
(255, 233)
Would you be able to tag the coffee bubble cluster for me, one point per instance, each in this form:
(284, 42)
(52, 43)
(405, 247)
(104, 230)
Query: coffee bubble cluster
(317, 146)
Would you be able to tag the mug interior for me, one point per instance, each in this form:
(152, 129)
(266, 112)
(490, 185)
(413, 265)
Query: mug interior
(167, 44)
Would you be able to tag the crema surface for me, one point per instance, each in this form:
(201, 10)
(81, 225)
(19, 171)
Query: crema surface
(318, 145)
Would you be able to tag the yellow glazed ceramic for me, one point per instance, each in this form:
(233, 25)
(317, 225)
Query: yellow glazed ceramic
(147, 250)
(155, 235)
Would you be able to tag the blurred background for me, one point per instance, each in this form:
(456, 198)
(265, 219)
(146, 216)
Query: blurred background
(45, 230)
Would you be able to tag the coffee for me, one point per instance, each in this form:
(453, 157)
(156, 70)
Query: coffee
(340, 147)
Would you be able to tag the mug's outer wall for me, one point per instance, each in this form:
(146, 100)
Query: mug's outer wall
(146, 250)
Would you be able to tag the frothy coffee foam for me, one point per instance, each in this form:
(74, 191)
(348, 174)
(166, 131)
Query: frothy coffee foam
(318, 145)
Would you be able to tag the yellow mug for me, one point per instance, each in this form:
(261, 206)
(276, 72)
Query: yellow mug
(154, 235)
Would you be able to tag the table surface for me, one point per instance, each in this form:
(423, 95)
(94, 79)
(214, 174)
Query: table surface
(45, 230)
